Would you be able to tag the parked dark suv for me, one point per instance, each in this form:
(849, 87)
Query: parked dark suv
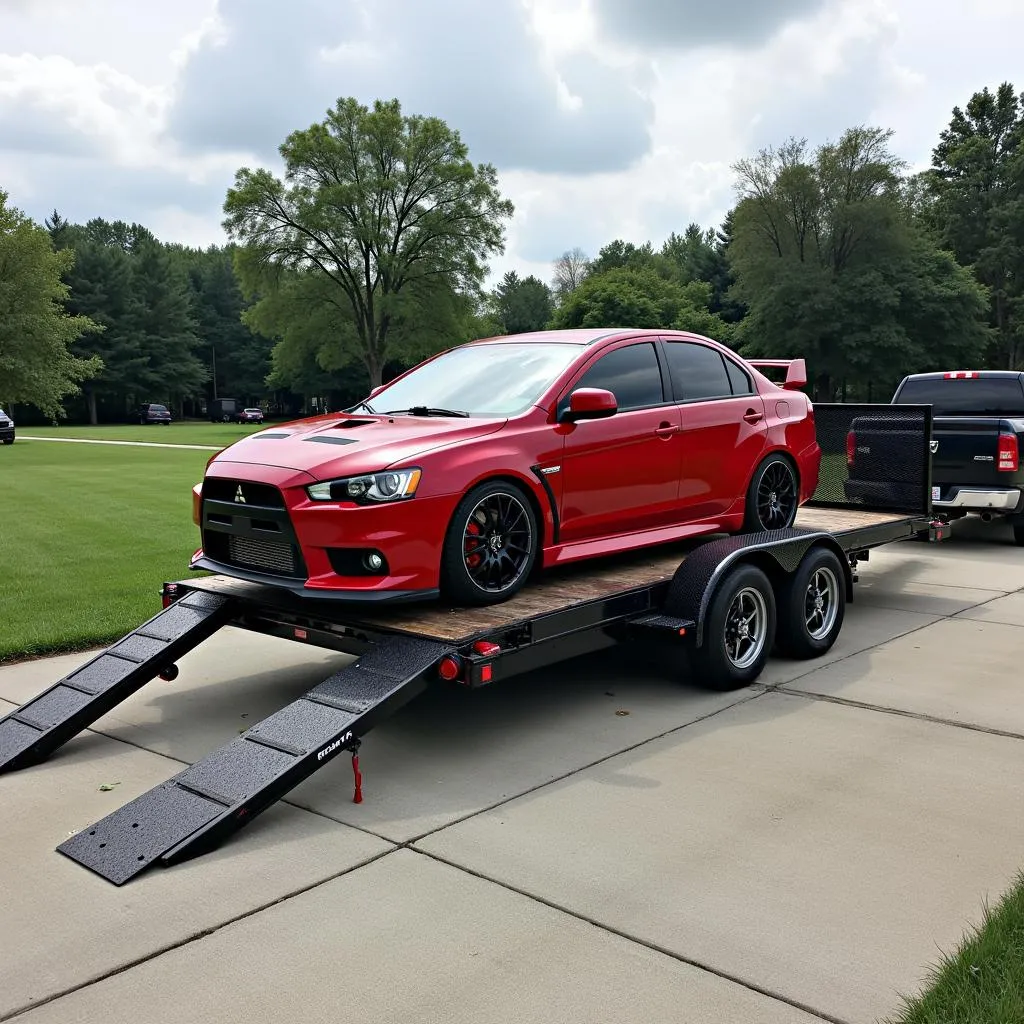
(6, 428)
(155, 414)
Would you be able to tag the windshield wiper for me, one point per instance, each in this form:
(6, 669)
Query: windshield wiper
(426, 410)
(363, 405)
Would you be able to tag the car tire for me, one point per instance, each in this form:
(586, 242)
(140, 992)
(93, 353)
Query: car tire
(496, 566)
(722, 662)
(773, 497)
(8, 440)
(811, 606)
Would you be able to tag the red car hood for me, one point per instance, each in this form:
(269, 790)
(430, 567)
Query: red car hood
(328, 447)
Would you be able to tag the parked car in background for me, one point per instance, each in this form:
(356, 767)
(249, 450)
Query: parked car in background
(6, 428)
(463, 475)
(153, 413)
(250, 416)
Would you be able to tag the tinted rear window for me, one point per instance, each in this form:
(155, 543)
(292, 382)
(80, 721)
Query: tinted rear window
(978, 396)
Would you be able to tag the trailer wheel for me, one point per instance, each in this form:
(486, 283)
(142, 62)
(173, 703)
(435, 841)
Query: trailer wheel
(739, 630)
(812, 604)
(773, 496)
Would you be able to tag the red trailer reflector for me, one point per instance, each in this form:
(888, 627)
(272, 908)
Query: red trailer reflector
(449, 667)
(300, 634)
(485, 673)
(1008, 457)
(486, 648)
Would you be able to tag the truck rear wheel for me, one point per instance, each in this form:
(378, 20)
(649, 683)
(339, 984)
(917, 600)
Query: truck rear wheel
(739, 630)
(812, 604)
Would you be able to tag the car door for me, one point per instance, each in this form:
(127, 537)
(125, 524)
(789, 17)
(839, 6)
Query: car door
(723, 427)
(621, 474)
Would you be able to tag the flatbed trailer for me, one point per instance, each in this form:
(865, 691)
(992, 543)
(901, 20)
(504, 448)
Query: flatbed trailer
(715, 599)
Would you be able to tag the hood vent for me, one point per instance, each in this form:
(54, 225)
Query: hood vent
(324, 439)
(349, 424)
(270, 437)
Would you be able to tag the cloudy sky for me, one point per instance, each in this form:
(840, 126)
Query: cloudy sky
(605, 118)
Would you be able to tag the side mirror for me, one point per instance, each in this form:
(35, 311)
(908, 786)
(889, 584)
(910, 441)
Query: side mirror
(590, 404)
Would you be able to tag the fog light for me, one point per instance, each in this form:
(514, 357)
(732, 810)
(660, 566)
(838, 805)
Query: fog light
(374, 562)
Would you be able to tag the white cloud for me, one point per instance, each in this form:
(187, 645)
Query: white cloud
(600, 127)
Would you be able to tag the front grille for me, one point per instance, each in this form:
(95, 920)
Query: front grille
(218, 489)
(263, 555)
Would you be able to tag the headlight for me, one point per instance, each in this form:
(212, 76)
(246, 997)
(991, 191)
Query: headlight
(392, 485)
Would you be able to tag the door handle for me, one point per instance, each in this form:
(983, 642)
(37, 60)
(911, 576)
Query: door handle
(666, 429)
(753, 416)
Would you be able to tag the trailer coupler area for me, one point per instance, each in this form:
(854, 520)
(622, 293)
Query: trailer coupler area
(201, 806)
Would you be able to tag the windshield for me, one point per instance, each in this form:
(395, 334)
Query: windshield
(966, 396)
(502, 379)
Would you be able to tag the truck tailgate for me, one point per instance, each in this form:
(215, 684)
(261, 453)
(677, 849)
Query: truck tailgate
(966, 451)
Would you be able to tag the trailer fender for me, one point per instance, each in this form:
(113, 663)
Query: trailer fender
(777, 552)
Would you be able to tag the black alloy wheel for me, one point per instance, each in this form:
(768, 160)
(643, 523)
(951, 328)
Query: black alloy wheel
(491, 545)
(773, 497)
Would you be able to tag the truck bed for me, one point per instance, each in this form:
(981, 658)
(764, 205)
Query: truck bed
(558, 589)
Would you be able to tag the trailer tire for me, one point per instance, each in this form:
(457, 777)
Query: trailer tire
(773, 497)
(722, 662)
(812, 605)
(488, 518)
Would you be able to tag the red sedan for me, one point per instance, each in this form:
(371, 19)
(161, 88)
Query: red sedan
(499, 458)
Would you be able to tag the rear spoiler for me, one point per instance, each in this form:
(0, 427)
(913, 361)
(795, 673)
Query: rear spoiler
(796, 370)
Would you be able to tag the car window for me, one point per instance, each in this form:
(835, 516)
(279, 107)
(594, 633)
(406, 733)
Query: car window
(978, 396)
(632, 374)
(697, 372)
(739, 378)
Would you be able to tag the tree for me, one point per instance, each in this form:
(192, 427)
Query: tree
(826, 254)
(626, 297)
(570, 270)
(376, 207)
(521, 304)
(36, 333)
(976, 183)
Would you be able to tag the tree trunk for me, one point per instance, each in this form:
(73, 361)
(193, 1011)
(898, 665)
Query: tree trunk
(90, 396)
(375, 370)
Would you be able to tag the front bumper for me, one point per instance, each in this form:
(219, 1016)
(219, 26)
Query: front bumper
(981, 499)
(280, 537)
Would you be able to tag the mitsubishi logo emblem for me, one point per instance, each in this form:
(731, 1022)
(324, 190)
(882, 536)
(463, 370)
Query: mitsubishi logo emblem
(934, 445)
(239, 496)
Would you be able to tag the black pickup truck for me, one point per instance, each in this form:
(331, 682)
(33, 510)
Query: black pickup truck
(977, 440)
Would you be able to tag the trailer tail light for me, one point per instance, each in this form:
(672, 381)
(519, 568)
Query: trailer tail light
(1008, 457)
(851, 449)
(169, 594)
(486, 648)
(449, 668)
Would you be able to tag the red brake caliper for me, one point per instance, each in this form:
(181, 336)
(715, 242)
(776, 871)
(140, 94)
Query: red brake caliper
(473, 533)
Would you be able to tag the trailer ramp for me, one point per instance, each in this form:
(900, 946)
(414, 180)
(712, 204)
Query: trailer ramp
(197, 809)
(41, 725)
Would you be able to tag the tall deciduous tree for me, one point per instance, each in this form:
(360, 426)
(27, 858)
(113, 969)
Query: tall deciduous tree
(977, 184)
(570, 270)
(375, 205)
(826, 254)
(37, 365)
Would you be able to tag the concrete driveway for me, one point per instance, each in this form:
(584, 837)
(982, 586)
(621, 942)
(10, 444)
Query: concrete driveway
(597, 842)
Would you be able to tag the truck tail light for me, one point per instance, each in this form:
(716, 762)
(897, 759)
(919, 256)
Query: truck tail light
(1008, 456)
(851, 448)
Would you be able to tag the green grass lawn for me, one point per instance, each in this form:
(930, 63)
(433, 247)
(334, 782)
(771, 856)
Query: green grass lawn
(87, 536)
(192, 432)
(983, 981)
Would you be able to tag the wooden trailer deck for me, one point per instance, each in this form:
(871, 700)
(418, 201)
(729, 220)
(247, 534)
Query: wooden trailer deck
(557, 590)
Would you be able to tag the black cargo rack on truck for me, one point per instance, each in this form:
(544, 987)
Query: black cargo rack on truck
(726, 600)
